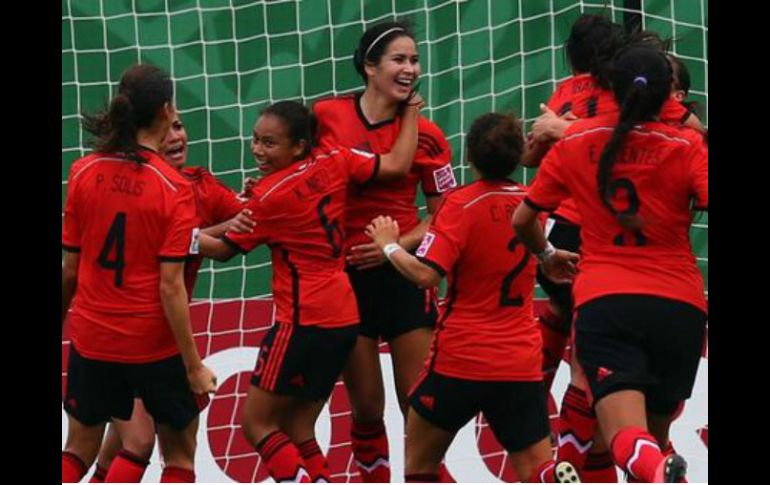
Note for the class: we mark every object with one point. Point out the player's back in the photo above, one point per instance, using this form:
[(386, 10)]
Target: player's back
[(487, 329), (300, 214), (125, 218), (582, 96), (656, 176)]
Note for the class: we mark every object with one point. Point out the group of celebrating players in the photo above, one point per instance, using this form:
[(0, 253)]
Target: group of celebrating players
[(623, 163)]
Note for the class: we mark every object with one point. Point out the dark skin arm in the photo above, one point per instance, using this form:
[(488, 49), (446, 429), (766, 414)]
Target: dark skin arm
[(173, 296)]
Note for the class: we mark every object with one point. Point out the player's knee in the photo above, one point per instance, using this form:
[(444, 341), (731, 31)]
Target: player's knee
[(255, 426), (140, 445)]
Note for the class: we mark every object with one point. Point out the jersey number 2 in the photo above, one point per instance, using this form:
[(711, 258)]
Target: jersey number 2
[(505, 291), (115, 237)]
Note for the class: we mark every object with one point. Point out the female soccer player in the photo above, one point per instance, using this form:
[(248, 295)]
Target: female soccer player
[(487, 350), (218, 208), (298, 206), (129, 224), (641, 312), (593, 41), (392, 308)]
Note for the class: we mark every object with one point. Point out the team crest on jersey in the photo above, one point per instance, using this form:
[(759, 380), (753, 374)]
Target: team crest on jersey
[(444, 178), (195, 245), (426, 243)]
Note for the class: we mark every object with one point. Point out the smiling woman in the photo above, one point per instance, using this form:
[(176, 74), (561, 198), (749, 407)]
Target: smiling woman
[(392, 308), (298, 204)]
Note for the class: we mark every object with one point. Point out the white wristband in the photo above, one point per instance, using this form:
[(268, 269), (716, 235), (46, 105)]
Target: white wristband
[(391, 248), (546, 253)]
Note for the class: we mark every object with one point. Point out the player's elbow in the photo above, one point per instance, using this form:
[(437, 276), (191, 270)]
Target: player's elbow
[(428, 278), (519, 221), (171, 288), (393, 166)]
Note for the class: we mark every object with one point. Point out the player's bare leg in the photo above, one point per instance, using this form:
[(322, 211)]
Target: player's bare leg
[(408, 352), (125, 454), (363, 381), (137, 435), (178, 452), (536, 463), (80, 449), (263, 414), (426, 445), (299, 425), (179, 445)]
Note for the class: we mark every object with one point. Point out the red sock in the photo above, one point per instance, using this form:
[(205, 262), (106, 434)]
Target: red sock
[(315, 461), (637, 453), (544, 473), (72, 467), (126, 468), (599, 468), (421, 478), (282, 459), (554, 341), (370, 451), (175, 474), (99, 474), (577, 424), (443, 474)]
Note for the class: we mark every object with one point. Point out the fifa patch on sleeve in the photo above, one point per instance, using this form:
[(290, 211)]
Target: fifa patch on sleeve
[(195, 245), (426, 243), (444, 178)]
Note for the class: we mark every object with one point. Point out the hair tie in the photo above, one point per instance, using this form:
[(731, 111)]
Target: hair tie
[(379, 37), (640, 81)]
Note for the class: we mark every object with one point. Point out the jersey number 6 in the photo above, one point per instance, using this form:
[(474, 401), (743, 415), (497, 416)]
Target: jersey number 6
[(331, 228)]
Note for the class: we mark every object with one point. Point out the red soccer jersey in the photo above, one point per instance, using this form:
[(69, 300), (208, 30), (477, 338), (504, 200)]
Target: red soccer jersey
[(586, 99), (341, 123), (300, 214), (124, 218), (659, 174), (215, 203), (487, 330)]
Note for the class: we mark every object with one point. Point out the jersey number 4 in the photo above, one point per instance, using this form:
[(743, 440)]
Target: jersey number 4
[(505, 291), (115, 237)]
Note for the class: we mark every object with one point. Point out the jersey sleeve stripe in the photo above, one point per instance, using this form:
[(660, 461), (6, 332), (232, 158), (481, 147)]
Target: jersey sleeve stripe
[(172, 259), (70, 249), (233, 244), (433, 265), (429, 144), (537, 207)]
